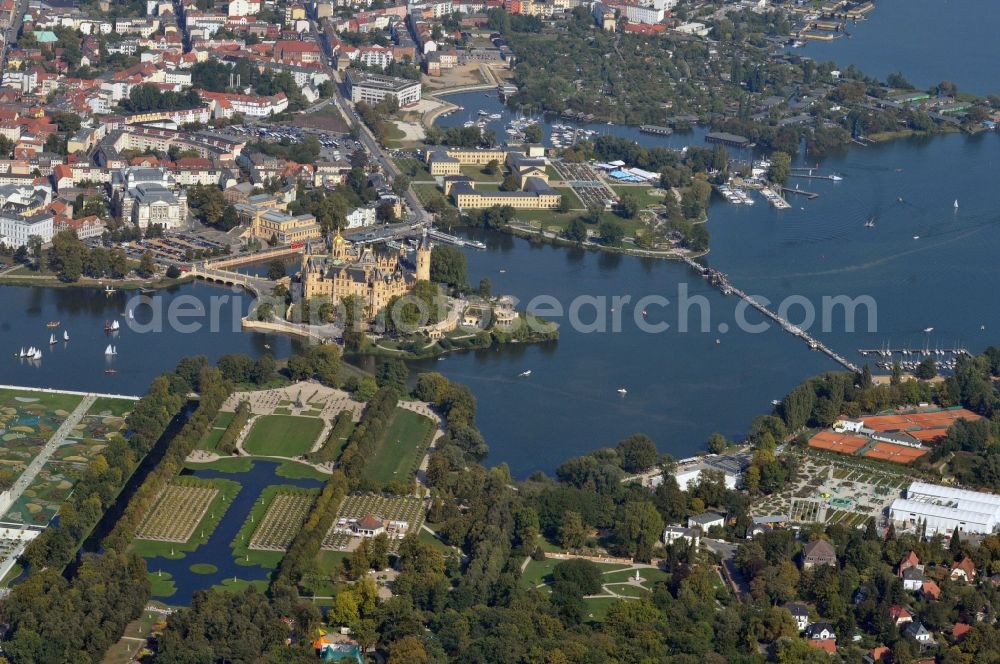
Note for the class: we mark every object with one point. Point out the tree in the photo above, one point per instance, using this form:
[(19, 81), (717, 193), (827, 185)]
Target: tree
[(576, 231), (509, 183), (345, 609), (448, 266), (564, 204), (173, 272), (637, 452), (781, 168), (612, 233), (275, 269), (147, 266), (533, 133), (408, 650), (717, 443), (572, 533), (576, 577), (492, 168), (628, 206), (927, 369), (638, 527)]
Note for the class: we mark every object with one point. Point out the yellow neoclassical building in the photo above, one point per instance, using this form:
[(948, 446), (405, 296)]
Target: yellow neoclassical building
[(362, 270)]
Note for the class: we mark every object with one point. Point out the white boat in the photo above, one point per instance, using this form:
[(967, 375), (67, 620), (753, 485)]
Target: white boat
[(525, 374), (131, 316), (622, 390), (110, 350), (956, 203), (37, 355), (52, 339), (928, 330), (65, 335), (916, 237), (115, 326), (836, 178), (21, 354), (870, 223)]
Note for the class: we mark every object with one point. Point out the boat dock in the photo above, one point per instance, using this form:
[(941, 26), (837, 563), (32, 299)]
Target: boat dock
[(656, 130), (888, 351), (435, 234), (721, 281), (833, 177), (774, 198), (801, 192)]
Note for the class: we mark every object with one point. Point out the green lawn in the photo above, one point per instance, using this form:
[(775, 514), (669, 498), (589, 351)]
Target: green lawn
[(51, 401), (161, 583), (643, 193), (239, 585), (115, 407), (398, 450), (299, 471), (539, 571), (478, 174), (204, 568), (211, 438), (415, 168), (425, 192), (283, 435), (574, 201), (650, 576), (597, 607), (234, 465)]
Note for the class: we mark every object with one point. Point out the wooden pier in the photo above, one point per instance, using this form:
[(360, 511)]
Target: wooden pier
[(721, 281), (801, 192)]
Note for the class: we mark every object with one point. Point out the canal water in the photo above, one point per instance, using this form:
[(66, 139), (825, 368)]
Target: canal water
[(216, 551), (928, 41)]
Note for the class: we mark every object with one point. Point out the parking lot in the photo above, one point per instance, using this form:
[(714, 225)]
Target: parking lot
[(333, 146), (174, 248)]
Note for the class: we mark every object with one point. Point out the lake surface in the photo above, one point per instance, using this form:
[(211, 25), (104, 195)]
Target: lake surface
[(928, 41), (80, 364)]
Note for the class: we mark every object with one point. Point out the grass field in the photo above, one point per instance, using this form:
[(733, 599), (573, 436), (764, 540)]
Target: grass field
[(233, 465), (398, 450), (111, 406), (299, 471), (539, 571), (212, 436), (643, 193), (161, 583), (282, 435)]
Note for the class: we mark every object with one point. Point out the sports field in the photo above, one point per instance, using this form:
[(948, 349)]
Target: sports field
[(282, 435)]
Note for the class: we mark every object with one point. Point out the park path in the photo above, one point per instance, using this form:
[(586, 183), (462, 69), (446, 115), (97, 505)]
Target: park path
[(57, 439)]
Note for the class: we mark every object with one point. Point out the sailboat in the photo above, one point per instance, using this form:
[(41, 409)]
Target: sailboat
[(52, 339), (65, 335), (622, 390), (110, 350), (870, 223), (130, 315), (525, 374), (21, 354), (956, 203)]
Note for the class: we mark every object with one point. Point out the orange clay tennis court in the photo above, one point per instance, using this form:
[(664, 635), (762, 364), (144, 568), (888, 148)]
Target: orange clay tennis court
[(939, 419), (837, 442), (894, 453)]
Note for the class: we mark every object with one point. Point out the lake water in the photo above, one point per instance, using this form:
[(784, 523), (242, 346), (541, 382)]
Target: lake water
[(927, 40), (80, 364)]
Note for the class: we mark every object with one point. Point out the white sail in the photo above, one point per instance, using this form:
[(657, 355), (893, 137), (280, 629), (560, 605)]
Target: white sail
[(115, 325), (130, 315), (956, 202), (37, 355), (114, 351), (65, 335), (52, 339), (22, 352), (109, 350)]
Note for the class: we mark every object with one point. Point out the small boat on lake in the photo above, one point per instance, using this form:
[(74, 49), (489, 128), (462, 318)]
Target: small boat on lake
[(525, 374), (52, 323)]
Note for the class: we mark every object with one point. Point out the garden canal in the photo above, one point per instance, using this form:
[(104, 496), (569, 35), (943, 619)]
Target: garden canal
[(176, 577)]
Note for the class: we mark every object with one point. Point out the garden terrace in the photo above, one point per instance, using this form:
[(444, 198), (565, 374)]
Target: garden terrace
[(179, 510), (285, 514)]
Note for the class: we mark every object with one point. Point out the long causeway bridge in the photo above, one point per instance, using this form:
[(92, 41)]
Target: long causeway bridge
[(721, 281)]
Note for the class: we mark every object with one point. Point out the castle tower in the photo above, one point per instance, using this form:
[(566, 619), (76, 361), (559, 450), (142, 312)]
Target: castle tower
[(424, 259)]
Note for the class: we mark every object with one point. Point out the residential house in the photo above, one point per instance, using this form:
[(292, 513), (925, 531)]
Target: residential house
[(913, 578), (800, 613), (673, 533), (818, 552), (900, 615), (706, 521), (963, 570), (920, 633)]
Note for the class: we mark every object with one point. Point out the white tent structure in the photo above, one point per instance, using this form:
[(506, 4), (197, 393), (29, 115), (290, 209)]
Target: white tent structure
[(940, 509)]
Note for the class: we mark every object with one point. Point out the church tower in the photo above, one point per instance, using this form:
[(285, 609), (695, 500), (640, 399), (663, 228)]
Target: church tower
[(424, 259)]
